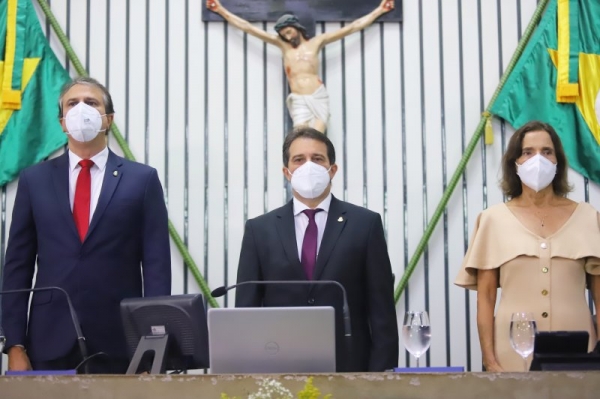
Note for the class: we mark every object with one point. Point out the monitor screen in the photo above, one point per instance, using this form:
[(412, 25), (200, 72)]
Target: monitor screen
[(563, 351), (182, 317), (555, 342)]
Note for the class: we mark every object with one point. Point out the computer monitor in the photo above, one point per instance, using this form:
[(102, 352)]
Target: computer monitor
[(561, 342), (165, 333), (563, 351)]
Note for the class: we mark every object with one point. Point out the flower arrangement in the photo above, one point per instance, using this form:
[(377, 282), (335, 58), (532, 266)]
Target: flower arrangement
[(271, 389)]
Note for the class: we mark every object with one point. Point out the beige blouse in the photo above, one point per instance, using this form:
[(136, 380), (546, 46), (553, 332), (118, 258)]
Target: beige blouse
[(544, 276)]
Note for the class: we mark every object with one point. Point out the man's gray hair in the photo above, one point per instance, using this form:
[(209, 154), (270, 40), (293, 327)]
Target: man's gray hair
[(86, 80)]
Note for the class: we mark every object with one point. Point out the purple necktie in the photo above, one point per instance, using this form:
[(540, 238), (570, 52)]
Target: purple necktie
[(309, 245)]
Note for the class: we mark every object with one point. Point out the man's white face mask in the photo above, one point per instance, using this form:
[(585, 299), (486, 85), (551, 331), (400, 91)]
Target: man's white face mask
[(310, 180), (83, 122), (537, 172)]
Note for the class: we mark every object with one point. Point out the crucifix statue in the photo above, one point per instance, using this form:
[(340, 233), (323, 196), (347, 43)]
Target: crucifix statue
[(308, 102)]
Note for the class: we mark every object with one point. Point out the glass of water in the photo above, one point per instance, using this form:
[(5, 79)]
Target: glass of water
[(522, 334), (416, 333)]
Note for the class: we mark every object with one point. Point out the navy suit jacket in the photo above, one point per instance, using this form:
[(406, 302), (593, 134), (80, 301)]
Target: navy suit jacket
[(125, 254), (354, 253)]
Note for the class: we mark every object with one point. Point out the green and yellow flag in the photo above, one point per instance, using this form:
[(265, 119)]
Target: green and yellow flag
[(30, 82), (557, 80)]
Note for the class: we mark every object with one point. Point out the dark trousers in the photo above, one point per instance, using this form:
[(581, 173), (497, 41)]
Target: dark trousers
[(99, 364)]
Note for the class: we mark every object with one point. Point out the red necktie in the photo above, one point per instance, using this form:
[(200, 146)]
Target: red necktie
[(81, 204), (309, 244)]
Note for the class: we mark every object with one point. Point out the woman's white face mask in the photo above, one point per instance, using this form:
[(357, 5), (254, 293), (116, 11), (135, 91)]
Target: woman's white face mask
[(537, 172)]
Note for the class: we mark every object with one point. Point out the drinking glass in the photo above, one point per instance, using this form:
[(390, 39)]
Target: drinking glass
[(522, 334), (416, 333)]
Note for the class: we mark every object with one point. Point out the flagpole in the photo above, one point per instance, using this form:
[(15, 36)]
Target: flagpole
[(187, 258), (412, 264)]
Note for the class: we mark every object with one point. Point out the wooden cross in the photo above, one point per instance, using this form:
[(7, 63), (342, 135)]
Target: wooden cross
[(309, 12)]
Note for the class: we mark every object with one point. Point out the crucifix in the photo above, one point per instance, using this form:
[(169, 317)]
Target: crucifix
[(308, 102)]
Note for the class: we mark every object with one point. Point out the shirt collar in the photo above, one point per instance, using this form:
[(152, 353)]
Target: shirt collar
[(299, 206), (100, 159)]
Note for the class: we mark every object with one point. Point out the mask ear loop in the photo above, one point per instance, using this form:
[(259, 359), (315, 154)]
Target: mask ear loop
[(104, 130)]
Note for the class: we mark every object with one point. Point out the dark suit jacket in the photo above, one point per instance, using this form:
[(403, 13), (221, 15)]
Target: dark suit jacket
[(354, 253), (129, 229)]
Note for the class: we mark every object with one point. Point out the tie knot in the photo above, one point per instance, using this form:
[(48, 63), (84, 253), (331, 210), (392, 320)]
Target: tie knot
[(86, 163), (311, 213)]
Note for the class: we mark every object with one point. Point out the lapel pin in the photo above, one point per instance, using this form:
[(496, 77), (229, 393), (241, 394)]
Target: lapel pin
[(340, 219), (115, 173)]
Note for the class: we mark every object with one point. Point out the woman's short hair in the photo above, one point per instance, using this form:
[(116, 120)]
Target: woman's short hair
[(511, 183)]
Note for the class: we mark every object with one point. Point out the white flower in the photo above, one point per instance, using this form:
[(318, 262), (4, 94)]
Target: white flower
[(271, 389)]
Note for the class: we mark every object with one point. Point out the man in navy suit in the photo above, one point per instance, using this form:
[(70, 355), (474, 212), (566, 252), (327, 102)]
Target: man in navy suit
[(318, 237), (97, 226)]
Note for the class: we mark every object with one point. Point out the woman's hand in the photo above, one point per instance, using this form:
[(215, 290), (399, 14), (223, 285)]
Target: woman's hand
[(492, 366)]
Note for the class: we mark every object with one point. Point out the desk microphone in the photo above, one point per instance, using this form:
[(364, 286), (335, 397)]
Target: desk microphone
[(220, 291), (80, 337)]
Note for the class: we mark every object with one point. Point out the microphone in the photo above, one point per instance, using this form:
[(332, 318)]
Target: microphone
[(80, 337), (220, 291)]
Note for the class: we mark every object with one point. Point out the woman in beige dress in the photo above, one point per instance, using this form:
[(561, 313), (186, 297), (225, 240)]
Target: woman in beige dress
[(540, 248)]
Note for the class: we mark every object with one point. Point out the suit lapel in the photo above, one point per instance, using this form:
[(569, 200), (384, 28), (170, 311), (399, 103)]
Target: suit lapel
[(60, 177), (112, 177), (286, 228), (336, 221)]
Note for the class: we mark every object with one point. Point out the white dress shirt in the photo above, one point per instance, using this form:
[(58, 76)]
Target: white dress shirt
[(97, 174), (301, 222)]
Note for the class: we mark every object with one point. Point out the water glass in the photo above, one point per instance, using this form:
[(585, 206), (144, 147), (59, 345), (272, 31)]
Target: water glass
[(416, 333), (522, 334)]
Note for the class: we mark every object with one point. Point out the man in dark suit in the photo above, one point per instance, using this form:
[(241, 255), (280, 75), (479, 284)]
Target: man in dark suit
[(349, 240), (97, 226)]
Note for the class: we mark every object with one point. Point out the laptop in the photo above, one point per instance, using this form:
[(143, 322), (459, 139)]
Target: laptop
[(272, 340)]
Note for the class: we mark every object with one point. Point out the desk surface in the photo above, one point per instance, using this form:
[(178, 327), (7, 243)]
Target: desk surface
[(342, 386)]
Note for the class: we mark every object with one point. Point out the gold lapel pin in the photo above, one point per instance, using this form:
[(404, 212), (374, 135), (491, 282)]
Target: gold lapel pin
[(340, 219), (115, 173)]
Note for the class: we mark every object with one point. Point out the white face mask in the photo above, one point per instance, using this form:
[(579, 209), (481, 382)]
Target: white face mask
[(83, 122), (310, 180), (537, 172)]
